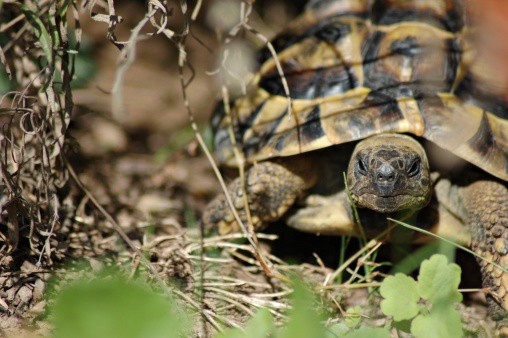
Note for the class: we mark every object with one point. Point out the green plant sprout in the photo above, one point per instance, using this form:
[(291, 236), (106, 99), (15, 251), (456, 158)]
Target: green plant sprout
[(113, 307), (429, 304)]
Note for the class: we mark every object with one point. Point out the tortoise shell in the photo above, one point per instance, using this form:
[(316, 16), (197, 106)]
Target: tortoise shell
[(360, 68)]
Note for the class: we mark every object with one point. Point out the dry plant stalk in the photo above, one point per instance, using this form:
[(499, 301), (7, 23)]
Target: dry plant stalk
[(245, 9), (158, 15), (39, 60)]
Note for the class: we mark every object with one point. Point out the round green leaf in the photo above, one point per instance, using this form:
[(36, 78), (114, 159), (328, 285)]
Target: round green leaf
[(106, 308), (401, 297), (438, 281), (442, 321)]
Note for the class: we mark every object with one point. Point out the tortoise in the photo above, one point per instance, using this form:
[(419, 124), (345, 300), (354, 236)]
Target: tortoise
[(393, 93)]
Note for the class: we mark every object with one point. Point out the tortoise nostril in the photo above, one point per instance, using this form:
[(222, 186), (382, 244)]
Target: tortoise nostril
[(387, 178), (386, 174)]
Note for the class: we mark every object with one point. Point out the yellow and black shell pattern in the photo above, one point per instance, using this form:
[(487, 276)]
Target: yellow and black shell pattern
[(360, 68)]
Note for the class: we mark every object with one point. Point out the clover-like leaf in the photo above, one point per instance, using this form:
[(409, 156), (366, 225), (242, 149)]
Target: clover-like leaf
[(401, 297), (442, 321), (106, 308), (353, 316), (439, 280)]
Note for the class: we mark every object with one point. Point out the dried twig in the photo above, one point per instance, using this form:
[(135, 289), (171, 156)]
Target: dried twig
[(38, 116)]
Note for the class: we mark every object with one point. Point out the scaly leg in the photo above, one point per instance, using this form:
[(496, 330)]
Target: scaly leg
[(486, 203), (271, 188)]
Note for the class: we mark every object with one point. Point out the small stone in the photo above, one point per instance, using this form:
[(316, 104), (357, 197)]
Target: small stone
[(28, 267), (229, 218), (38, 290), (238, 202), (38, 309), (25, 294), (95, 264)]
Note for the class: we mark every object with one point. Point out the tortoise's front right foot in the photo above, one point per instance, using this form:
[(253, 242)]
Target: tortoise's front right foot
[(271, 190), (487, 205)]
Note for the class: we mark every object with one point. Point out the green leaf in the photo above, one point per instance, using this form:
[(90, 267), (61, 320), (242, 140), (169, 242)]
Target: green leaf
[(40, 31), (401, 297), (304, 319), (442, 321), (370, 332), (438, 281), (260, 325), (337, 330), (115, 308), (354, 316)]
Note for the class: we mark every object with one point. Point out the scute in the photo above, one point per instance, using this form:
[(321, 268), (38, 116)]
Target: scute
[(410, 59), (319, 66), (317, 11), (443, 14), (360, 68)]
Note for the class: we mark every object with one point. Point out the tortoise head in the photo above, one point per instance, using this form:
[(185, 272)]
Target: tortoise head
[(388, 173)]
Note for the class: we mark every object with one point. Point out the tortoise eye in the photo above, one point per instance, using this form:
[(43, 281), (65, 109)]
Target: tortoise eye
[(414, 168), (362, 168)]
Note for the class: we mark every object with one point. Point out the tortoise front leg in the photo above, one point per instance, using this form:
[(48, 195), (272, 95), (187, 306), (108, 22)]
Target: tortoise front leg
[(325, 215), (486, 203), (271, 189)]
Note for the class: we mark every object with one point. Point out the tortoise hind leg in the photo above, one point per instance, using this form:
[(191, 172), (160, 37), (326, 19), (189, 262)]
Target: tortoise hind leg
[(486, 203), (271, 189)]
